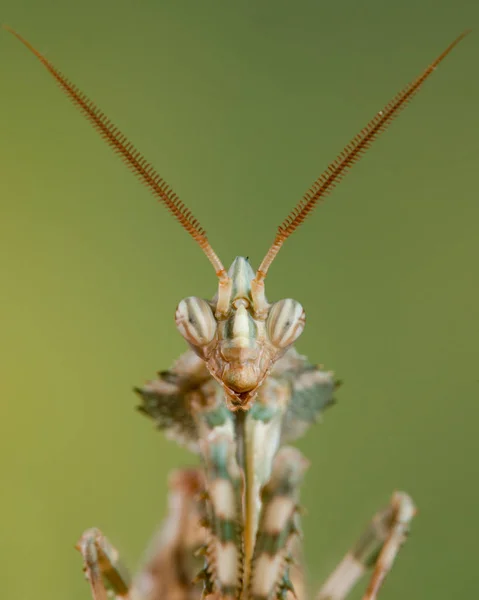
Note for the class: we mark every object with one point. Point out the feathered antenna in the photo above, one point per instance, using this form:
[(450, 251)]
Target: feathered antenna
[(133, 159), (356, 148)]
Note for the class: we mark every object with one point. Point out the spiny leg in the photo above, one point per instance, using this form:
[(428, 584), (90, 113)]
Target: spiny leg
[(404, 511), (261, 438), (375, 549), (278, 528), (223, 572), (170, 565), (102, 566), (296, 571)]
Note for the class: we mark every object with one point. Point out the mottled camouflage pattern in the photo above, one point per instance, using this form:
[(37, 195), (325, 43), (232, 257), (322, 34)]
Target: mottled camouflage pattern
[(296, 393), (187, 403), (278, 526)]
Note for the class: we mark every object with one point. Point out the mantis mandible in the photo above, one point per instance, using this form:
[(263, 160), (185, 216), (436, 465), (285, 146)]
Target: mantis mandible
[(237, 397)]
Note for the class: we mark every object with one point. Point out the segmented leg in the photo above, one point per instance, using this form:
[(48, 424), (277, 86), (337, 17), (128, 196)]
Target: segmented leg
[(376, 549), (296, 571), (102, 566), (404, 511), (223, 572), (171, 566), (278, 528), (261, 438)]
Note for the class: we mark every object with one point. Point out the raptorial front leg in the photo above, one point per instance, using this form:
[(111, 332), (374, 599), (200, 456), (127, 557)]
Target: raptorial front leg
[(223, 571), (376, 549), (170, 565), (102, 566), (273, 572)]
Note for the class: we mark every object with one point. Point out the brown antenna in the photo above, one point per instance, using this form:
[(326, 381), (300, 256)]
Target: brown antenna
[(132, 158), (348, 157)]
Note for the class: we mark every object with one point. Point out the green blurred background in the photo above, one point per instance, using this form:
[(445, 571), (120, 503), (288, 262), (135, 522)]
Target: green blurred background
[(240, 105)]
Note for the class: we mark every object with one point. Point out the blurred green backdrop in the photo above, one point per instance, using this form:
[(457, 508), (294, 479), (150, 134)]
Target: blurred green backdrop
[(240, 105)]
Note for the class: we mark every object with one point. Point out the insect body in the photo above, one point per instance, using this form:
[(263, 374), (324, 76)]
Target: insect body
[(236, 398)]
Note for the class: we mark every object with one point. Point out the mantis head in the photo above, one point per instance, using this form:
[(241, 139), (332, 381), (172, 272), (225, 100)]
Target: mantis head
[(239, 334)]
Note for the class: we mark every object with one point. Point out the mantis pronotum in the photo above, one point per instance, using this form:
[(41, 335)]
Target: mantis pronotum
[(237, 397)]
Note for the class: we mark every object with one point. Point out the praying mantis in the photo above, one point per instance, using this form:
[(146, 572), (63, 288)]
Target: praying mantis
[(237, 398)]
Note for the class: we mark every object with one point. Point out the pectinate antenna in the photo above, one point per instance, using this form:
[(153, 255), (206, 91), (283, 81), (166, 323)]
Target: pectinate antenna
[(133, 159), (351, 154)]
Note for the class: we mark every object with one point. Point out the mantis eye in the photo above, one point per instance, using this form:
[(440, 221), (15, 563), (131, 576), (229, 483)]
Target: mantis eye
[(195, 321), (285, 322)]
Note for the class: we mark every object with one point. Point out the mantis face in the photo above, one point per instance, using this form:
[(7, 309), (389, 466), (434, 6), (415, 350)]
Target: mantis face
[(238, 334)]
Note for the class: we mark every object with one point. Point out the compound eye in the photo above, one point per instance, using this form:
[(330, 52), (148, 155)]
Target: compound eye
[(285, 322), (195, 321)]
